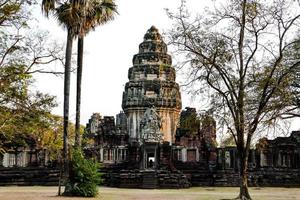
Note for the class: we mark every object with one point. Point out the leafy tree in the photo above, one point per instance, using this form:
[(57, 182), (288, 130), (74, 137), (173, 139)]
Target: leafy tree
[(11, 12), (92, 13), (245, 55), (50, 137), (84, 176), (22, 112), (189, 121), (22, 54)]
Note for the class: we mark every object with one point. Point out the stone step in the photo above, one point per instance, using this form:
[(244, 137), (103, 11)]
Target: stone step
[(149, 180)]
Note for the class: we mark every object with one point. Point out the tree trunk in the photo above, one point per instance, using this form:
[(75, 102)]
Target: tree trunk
[(78, 91), (244, 193), (66, 100)]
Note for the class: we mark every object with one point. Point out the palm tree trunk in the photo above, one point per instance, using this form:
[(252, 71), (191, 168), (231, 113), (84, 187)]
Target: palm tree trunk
[(78, 91), (66, 100)]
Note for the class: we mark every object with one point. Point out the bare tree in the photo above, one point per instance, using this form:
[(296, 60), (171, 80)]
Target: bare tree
[(246, 54)]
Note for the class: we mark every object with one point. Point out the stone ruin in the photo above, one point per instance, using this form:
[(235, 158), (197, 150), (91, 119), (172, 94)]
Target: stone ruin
[(154, 144)]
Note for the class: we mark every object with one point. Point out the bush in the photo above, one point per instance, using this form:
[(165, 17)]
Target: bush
[(84, 176)]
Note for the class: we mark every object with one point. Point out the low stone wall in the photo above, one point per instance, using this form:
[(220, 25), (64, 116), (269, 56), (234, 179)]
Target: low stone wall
[(28, 176), (282, 177), (149, 179), (275, 177)]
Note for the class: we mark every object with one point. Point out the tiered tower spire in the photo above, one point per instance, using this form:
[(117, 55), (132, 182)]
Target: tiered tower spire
[(152, 84)]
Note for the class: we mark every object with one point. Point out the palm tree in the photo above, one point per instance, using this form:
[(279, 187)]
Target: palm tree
[(66, 15), (94, 13)]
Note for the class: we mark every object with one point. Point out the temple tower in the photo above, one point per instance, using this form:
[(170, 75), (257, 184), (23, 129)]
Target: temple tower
[(152, 85)]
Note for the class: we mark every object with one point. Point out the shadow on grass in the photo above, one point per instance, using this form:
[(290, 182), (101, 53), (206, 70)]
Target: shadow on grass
[(55, 196), (69, 197), (231, 199), (257, 188)]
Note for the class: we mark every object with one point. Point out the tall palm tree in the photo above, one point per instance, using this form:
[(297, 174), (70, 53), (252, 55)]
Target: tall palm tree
[(94, 13), (67, 15)]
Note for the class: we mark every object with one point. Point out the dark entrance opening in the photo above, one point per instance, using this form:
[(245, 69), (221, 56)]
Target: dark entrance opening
[(150, 160)]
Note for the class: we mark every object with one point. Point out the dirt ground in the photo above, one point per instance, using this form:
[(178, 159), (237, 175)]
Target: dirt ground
[(195, 193)]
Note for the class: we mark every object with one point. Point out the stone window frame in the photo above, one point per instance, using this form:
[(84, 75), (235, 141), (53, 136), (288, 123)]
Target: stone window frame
[(194, 150)]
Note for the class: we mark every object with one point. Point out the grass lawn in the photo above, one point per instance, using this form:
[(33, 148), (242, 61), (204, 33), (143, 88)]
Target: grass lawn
[(195, 193)]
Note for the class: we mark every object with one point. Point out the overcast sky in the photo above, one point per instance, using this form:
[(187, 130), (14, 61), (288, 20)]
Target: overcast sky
[(108, 56)]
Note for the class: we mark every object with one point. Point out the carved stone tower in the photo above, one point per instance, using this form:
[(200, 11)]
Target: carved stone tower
[(152, 84)]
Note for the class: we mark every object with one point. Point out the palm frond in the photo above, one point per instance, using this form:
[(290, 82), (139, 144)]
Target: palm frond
[(69, 16), (48, 6), (81, 16), (97, 12)]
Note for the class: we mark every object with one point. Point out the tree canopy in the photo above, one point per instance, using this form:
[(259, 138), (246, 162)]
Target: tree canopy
[(25, 113)]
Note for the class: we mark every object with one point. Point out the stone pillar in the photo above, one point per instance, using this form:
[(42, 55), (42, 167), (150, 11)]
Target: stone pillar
[(5, 160), (279, 159), (263, 158), (184, 155), (197, 154), (125, 154)]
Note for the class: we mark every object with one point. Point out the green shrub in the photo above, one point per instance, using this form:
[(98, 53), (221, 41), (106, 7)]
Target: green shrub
[(84, 176)]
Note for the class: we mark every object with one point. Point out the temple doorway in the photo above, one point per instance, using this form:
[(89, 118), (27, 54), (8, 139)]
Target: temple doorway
[(150, 160), (150, 153)]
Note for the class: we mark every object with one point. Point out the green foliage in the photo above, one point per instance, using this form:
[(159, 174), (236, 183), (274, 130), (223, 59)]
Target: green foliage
[(11, 12), (228, 141), (25, 115), (51, 135), (86, 141), (207, 121), (163, 66), (84, 176), (189, 121)]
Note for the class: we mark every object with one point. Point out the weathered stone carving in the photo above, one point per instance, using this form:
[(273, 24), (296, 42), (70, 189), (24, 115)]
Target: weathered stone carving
[(150, 126)]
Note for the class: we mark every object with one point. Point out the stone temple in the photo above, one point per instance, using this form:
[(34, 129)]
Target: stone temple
[(155, 144), (152, 85), (151, 100)]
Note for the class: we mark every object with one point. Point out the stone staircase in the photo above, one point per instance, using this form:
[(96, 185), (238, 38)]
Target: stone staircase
[(227, 178), (149, 180), (174, 179)]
